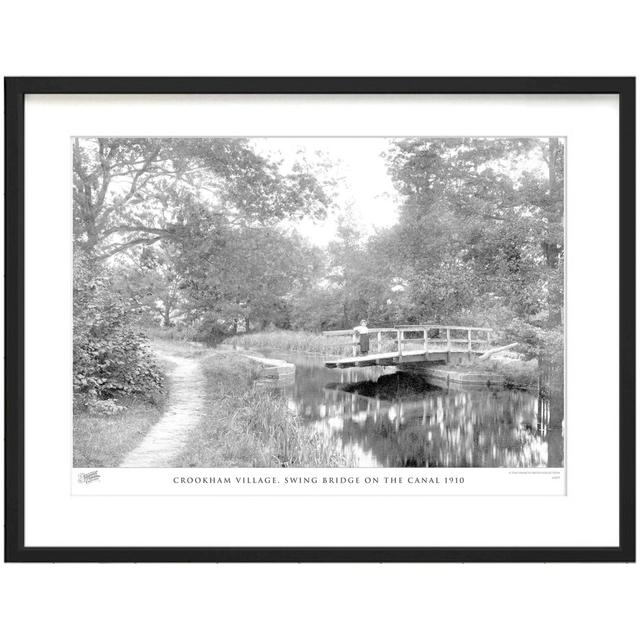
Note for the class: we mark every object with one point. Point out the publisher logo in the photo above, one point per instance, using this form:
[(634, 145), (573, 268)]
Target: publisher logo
[(86, 478)]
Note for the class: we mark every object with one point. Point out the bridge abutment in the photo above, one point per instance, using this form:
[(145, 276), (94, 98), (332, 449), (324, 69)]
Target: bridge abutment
[(445, 376)]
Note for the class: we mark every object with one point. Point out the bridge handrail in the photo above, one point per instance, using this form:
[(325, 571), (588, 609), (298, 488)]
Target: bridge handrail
[(408, 327), (401, 340), (348, 332)]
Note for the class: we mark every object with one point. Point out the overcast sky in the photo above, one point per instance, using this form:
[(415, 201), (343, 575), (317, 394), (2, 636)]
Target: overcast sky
[(364, 184)]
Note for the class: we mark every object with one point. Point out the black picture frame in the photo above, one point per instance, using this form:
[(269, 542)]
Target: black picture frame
[(15, 91)]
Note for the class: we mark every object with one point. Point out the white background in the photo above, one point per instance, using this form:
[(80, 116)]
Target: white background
[(189, 38)]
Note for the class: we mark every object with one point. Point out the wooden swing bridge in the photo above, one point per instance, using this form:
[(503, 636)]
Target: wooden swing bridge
[(427, 343)]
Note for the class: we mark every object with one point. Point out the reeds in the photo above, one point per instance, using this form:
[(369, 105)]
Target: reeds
[(281, 437), (304, 342), (249, 426)]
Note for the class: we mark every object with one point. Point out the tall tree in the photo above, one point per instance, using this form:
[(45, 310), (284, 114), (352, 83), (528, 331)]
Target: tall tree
[(480, 230), (138, 191)]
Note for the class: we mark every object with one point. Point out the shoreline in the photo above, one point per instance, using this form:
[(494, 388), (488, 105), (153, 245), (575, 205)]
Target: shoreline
[(519, 374)]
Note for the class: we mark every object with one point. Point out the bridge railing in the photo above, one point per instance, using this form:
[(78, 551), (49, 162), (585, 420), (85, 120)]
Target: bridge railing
[(442, 338), (427, 337), (381, 339)]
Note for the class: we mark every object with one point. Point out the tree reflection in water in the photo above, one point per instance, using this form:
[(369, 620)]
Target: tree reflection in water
[(398, 420)]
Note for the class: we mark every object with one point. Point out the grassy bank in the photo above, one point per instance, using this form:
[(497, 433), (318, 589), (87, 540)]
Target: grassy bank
[(519, 374), (242, 426), (301, 341), (245, 426), (104, 440)]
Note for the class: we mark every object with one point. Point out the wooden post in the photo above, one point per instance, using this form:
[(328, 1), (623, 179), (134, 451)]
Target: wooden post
[(354, 343), (426, 339), (448, 339), (469, 340), (379, 341), (399, 335)]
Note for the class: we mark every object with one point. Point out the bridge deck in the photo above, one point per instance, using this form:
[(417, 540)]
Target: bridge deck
[(391, 358)]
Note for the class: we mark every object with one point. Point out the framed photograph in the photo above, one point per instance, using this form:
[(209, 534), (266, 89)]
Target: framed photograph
[(320, 319)]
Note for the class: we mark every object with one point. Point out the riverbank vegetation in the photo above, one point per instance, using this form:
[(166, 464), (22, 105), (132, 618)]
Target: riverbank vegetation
[(103, 440), (248, 426), (243, 425), (283, 340), (300, 341), (518, 374)]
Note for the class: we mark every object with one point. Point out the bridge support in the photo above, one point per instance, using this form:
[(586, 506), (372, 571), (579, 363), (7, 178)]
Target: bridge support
[(449, 377)]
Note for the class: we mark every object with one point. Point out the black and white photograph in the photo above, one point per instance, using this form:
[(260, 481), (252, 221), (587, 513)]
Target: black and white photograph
[(318, 302)]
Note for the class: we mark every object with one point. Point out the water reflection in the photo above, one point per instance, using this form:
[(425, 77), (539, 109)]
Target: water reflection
[(398, 420)]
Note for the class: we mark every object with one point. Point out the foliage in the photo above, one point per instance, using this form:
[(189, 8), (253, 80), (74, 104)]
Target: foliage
[(479, 241), (200, 235), (149, 276), (176, 230), (131, 192), (179, 332), (249, 274), (103, 407), (480, 234), (110, 357)]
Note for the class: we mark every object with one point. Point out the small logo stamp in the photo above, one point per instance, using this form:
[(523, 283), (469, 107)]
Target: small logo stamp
[(86, 478)]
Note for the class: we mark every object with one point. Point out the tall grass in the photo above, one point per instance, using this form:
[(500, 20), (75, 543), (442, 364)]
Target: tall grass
[(304, 342), (182, 333), (281, 437), (248, 426), (105, 440), (293, 341)]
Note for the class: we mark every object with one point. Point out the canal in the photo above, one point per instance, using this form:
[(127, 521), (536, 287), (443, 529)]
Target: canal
[(382, 418)]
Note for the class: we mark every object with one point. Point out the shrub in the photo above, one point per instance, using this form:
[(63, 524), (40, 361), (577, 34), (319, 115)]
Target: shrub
[(210, 331), (110, 358), (103, 407), (178, 333)]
